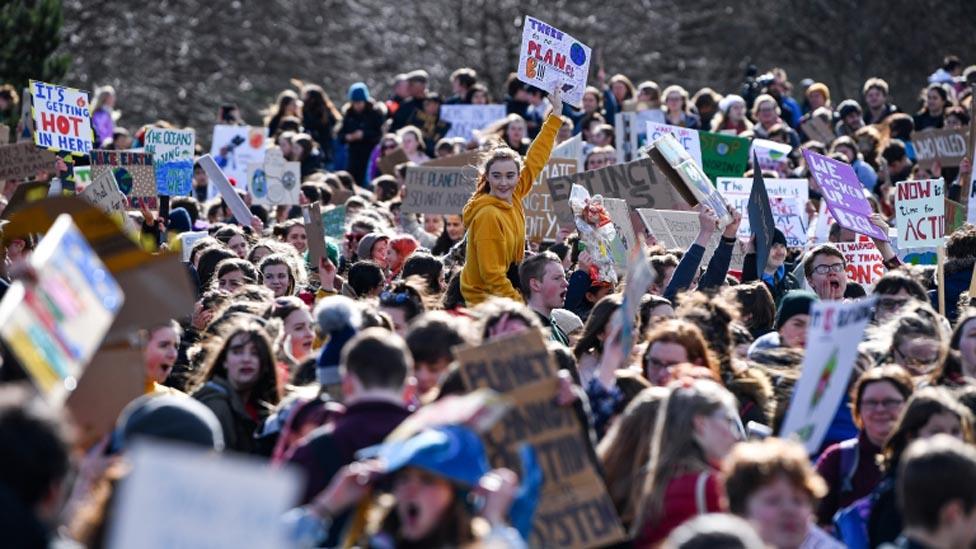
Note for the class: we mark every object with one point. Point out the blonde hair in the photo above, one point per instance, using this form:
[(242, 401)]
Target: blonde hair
[(674, 88)]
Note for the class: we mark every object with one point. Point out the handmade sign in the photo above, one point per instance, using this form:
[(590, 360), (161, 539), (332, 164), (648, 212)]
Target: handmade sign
[(843, 193), (550, 58), (723, 155), (571, 149), (187, 240), (172, 152), (687, 177), (865, 264), (390, 161), (630, 132), (4, 134), (236, 204), (835, 330), (334, 221), (619, 214), (772, 156), (574, 507), (133, 172), (636, 182), (104, 193), (787, 198), (275, 182), (761, 222), (176, 494), (438, 190), (62, 119), (947, 146), (24, 160), (818, 129), (233, 149), (688, 138), (466, 119), (55, 325), (83, 177), (541, 222), (920, 211), (679, 230)]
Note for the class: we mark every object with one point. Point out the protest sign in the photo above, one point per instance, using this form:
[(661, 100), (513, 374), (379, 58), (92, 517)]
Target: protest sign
[(23, 160), (315, 231), (112, 379), (233, 149), (571, 149), (176, 494), (920, 211), (630, 132), (470, 159), (388, 162), (772, 156), (4, 134), (761, 221), (836, 328), (687, 177), (466, 119), (636, 182), (236, 204), (172, 152), (83, 177), (62, 119), (818, 129), (275, 182), (437, 190), (723, 155), (787, 198), (522, 369), (104, 193), (334, 221), (676, 229), (55, 325), (619, 214), (865, 264), (843, 193), (25, 194), (541, 222), (686, 137), (133, 172), (187, 240), (550, 58), (947, 146)]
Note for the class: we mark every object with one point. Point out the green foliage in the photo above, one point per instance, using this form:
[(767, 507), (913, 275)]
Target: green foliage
[(31, 31)]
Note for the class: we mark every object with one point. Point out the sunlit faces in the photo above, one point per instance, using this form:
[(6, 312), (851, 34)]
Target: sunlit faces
[(919, 354), (552, 287), (816, 100), (945, 423), (503, 177), (777, 256), (379, 252), (434, 224), (780, 512), (428, 374), (793, 332), (243, 362), (161, 353), (590, 102), (515, 132), (880, 406), (422, 501), (766, 113), (297, 238), (232, 281), (874, 98), (409, 143), (298, 328), (967, 348), (674, 102), (737, 112), (259, 253), (455, 226), (399, 318), (828, 278), (717, 433), (661, 357), (277, 278), (934, 102)]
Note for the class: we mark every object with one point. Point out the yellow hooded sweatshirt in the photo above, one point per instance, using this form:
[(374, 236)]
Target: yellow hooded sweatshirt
[(496, 229)]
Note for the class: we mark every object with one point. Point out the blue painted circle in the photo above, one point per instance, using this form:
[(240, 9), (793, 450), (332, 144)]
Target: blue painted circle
[(577, 54)]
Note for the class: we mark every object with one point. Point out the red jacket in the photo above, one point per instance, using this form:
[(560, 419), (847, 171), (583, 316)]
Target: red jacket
[(685, 497)]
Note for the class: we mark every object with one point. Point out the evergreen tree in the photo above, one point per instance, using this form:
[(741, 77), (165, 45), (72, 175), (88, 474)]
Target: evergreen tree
[(31, 31)]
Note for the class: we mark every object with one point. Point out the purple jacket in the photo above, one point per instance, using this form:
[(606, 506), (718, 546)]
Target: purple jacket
[(103, 125)]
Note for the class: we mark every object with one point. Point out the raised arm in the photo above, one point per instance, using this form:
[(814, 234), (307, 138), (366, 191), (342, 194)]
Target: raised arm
[(541, 148)]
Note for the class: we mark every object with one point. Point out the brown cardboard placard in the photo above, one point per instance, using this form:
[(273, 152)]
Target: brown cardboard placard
[(638, 182), (948, 146), (678, 229), (818, 129), (340, 195), (541, 222), (316, 233), (24, 194), (389, 162), (467, 159), (113, 378), (23, 160), (4, 134), (438, 190)]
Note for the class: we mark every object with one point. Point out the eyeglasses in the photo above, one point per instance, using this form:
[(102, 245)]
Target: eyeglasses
[(824, 269), (886, 404), (733, 421)]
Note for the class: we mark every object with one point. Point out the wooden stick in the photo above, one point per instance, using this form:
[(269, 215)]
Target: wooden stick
[(940, 251), (966, 178)]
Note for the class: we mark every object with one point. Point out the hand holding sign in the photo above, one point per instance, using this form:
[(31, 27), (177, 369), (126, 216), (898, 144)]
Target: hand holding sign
[(556, 100)]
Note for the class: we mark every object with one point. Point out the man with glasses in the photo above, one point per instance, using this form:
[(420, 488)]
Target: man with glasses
[(826, 272)]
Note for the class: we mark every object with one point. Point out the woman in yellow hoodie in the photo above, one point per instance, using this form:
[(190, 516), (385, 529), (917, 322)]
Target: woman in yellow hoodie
[(495, 218)]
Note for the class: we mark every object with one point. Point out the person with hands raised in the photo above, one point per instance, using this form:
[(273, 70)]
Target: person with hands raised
[(718, 265)]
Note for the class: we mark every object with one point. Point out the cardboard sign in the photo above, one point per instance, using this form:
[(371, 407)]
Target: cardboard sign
[(723, 155), (54, 327), (920, 211), (23, 160), (636, 182), (438, 190), (761, 221), (275, 182), (466, 119), (104, 193), (83, 177), (630, 132), (818, 129), (772, 155), (114, 377), (133, 171), (620, 216), (836, 328), (187, 240), (180, 496), (687, 177), (572, 148), (574, 507), (947, 146), (236, 204), (541, 222), (469, 159), (172, 152), (865, 264), (233, 149), (787, 198), (389, 162), (315, 231), (334, 221), (4, 134), (843, 193), (675, 229), (688, 138), (550, 58), (62, 119)]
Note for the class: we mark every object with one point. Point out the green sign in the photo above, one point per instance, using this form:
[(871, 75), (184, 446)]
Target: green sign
[(723, 155)]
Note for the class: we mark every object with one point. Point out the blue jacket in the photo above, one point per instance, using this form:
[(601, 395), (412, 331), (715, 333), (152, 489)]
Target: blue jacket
[(714, 275), (958, 274)]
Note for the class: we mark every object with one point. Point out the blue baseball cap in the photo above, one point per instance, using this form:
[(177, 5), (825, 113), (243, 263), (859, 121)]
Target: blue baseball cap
[(450, 451)]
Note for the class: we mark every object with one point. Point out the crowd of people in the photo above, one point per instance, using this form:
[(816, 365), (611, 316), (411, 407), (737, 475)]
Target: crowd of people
[(306, 364)]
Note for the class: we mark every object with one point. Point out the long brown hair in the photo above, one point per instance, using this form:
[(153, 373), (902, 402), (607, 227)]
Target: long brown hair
[(501, 152), (922, 405), (266, 392), (686, 334), (595, 324)]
